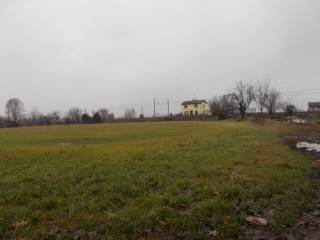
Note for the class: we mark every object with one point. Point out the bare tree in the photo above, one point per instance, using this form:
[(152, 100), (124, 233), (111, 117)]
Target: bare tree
[(104, 114), (261, 90), (35, 116), (273, 102), (130, 113), (54, 117), (222, 106), (243, 95), (14, 110), (74, 115)]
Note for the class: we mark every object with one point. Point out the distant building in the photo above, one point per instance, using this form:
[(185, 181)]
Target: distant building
[(314, 106), (195, 107)]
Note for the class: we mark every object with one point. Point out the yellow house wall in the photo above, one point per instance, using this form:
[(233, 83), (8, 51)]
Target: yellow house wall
[(203, 109)]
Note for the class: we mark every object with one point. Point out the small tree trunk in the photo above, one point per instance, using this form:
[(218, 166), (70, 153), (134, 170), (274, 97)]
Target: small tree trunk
[(243, 114), (271, 114)]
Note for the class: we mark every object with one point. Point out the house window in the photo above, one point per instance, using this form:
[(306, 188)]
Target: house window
[(196, 112), (185, 106), (191, 112), (196, 105)]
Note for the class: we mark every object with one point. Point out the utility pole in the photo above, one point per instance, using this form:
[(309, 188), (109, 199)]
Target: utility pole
[(154, 108), (168, 102)]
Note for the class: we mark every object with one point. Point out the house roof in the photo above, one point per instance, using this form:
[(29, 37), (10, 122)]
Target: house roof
[(314, 104), (194, 102)]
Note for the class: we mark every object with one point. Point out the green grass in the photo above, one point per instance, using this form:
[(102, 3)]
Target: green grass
[(119, 181)]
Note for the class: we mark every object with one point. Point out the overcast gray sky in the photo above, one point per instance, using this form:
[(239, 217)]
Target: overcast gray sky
[(117, 53)]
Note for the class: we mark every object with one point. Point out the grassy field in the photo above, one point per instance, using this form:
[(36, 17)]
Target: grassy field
[(147, 180)]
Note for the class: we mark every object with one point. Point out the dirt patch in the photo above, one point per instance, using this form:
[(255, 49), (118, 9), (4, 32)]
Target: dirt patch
[(308, 227), (307, 141)]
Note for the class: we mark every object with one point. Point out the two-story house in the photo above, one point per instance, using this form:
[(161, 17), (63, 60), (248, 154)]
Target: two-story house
[(195, 107)]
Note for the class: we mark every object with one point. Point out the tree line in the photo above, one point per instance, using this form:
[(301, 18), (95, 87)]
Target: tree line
[(234, 103), (15, 116), (262, 94)]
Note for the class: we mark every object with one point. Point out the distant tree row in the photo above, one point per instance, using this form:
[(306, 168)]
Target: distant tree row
[(15, 116), (237, 102), (76, 115)]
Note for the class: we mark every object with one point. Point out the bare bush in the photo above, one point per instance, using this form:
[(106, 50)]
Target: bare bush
[(222, 106), (3, 122), (289, 108), (111, 117)]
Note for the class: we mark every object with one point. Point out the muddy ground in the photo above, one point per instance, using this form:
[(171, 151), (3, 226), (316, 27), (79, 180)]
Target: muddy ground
[(308, 225)]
